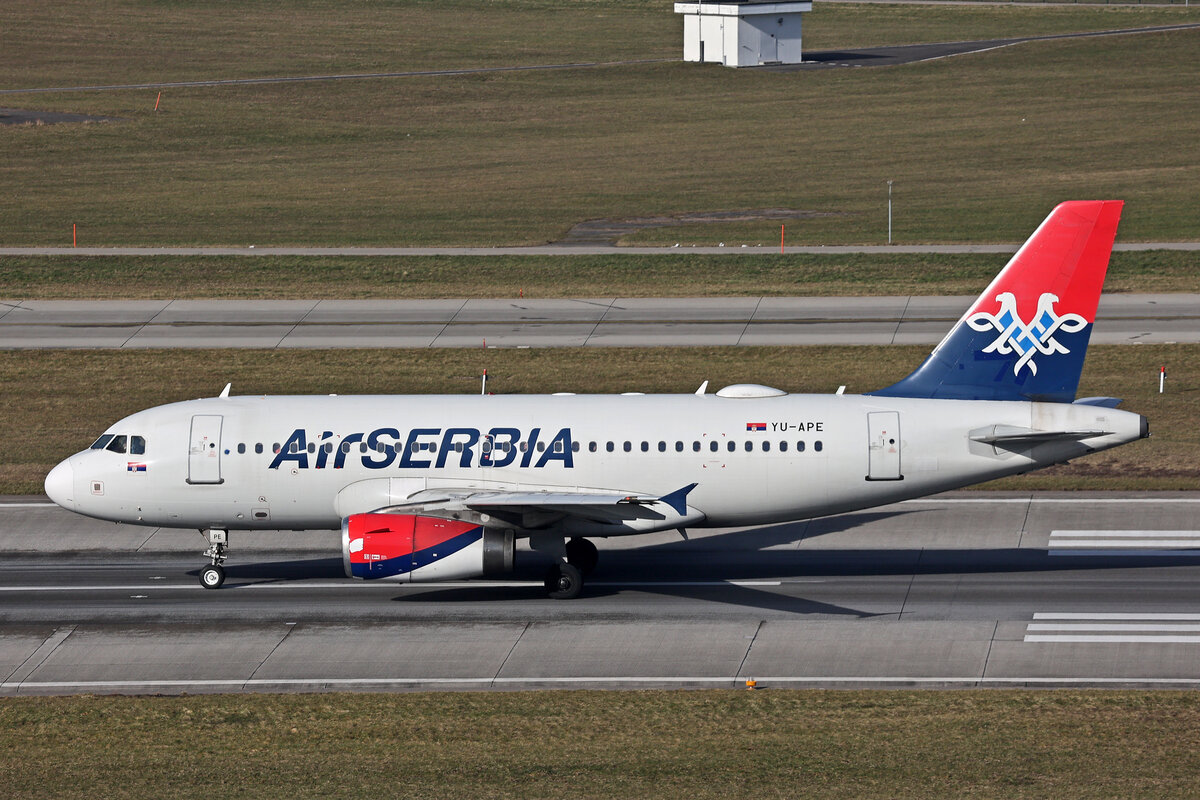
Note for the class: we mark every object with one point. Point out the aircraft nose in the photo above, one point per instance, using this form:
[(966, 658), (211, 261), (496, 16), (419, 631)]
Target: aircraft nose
[(60, 485)]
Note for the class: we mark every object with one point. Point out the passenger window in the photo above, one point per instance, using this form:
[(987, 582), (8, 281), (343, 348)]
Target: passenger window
[(541, 447), (679, 447), (799, 447), (275, 447), (783, 447), (714, 446), (362, 447), (312, 447), (749, 446), (345, 448), (100, 443), (645, 447), (137, 445), (628, 446), (817, 445), (117, 445), (258, 447), (662, 447), (574, 447), (609, 446), (766, 447), (732, 446), (558, 446), (328, 447), (591, 447), (241, 448), (695, 447)]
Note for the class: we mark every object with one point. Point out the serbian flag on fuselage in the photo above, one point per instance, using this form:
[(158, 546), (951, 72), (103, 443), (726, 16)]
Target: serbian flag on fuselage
[(756, 426)]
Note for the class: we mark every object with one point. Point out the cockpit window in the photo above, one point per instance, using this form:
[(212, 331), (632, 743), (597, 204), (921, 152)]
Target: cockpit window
[(117, 445), (101, 442), (137, 445)]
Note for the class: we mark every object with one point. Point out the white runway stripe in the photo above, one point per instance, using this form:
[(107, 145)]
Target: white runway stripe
[(1117, 616), (1087, 639), (1124, 542), (1114, 628)]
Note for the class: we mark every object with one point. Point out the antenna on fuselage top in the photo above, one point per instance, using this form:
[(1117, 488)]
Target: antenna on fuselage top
[(703, 388), (224, 395)]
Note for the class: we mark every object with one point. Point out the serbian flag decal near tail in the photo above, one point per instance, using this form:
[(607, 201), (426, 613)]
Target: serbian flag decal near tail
[(756, 426), (1025, 337)]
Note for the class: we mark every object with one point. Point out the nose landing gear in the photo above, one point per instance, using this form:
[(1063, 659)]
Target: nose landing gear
[(212, 576)]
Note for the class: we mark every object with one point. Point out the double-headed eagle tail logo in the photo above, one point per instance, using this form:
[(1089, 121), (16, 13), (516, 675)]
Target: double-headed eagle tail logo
[(1026, 339)]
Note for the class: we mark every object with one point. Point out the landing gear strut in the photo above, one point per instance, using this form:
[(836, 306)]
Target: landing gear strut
[(212, 576), (582, 554), (577, 559)]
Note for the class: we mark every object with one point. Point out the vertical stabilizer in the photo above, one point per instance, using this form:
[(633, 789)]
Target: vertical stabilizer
[(1025, 337)]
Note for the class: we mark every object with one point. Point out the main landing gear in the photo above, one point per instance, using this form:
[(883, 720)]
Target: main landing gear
[(212, 576), (564, 579)]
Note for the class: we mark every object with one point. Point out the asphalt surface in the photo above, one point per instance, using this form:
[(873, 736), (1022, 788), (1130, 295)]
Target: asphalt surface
[(968, 589), (599, 322)]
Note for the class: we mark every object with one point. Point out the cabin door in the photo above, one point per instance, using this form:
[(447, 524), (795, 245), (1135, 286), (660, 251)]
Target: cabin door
[(204, 449), (883, 443)]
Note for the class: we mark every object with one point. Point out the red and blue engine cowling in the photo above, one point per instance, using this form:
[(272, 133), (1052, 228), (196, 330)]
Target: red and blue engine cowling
[(410, 548)]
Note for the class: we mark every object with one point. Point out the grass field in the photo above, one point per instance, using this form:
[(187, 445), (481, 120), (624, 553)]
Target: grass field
[(680, 275), (980, 147), (51, 408), (711, 744)]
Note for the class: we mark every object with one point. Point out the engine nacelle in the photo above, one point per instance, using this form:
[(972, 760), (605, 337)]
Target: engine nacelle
[(414, 549)]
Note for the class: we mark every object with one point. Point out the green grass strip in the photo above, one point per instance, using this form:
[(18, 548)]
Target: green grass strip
[(660, 744)]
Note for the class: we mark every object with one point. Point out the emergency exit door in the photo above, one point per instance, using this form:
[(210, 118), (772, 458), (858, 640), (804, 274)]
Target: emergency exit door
[(204, 449), (883, 443)]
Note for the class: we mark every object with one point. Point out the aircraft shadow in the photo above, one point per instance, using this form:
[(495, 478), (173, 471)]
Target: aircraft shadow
[(707, 568)]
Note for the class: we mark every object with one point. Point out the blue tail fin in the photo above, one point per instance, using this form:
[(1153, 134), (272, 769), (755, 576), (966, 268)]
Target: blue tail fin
[(1026, 335)]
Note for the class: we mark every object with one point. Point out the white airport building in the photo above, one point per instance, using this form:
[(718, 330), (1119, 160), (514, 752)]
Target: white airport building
[(742, 34)]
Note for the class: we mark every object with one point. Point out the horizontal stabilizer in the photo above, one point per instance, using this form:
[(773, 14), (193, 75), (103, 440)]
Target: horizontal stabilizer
[(1016, 435)]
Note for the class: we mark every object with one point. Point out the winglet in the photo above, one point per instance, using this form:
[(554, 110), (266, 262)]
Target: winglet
[(678, 499)]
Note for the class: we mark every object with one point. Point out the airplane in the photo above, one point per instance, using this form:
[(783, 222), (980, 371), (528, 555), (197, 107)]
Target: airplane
[(433, 488)]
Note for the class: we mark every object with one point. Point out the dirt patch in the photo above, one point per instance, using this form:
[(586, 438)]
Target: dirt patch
[(609, 231), (18, 116)]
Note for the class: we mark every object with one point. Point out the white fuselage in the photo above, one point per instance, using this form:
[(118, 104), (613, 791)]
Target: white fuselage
[(213, 463)]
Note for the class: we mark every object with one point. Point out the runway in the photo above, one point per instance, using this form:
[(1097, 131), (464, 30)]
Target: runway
[(965, 589), (596, 322)]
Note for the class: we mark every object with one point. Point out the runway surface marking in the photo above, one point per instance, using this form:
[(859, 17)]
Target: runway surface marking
[(1128, 542), (1114, 628)]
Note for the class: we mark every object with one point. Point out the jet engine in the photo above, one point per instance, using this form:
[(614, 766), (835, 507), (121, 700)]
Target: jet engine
[(410, 548)]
